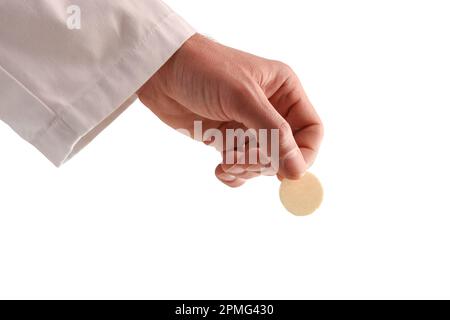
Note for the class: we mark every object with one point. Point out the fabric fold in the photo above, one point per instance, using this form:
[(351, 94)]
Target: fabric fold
[(59, 100)]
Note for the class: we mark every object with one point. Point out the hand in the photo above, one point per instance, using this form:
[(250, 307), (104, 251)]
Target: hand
[(226, 88)]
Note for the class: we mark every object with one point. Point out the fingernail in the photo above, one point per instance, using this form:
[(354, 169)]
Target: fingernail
[(254, 168), (227, 177), (268, 171), (236, 170)]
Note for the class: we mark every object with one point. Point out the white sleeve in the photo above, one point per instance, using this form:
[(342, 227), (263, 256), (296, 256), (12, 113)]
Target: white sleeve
[(60, 85)]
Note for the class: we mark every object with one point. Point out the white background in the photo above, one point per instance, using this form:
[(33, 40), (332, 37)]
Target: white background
[(139, 213)]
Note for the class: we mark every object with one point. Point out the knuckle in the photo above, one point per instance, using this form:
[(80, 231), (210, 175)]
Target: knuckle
[(239, 86), (285, 133), (285, 129), (284, 68), (320, 130)]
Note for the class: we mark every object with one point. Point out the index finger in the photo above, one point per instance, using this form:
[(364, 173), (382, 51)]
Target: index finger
[(293, 104)]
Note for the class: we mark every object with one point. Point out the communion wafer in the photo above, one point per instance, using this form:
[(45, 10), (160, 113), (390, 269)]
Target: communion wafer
[(301, 197)]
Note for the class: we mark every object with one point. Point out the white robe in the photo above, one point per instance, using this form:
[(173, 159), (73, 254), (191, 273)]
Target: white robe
[(60, 85)]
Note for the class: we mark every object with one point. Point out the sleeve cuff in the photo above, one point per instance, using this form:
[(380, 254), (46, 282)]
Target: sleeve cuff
[(61, 136)]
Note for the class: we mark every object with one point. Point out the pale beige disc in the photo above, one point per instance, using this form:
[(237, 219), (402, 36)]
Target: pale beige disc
[(301, 197)]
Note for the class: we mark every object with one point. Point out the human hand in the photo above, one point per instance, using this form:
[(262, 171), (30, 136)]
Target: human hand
[(228, 89)]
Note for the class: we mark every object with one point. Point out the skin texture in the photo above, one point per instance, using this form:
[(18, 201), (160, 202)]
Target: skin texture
[(228, 89)]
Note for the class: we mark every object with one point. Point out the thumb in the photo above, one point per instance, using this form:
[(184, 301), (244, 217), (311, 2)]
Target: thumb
[(259, 113)]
